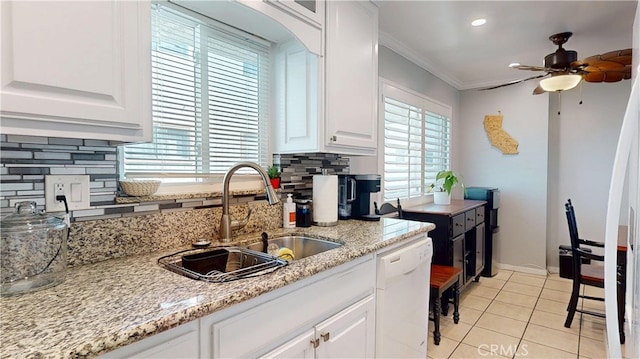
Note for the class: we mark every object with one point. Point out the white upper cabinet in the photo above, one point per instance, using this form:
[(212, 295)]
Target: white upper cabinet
[(332, 110), (296, 109), (79, 69), (311, 11), (351, 76)]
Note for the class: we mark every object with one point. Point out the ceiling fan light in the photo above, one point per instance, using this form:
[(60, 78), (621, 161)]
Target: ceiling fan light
[(560, 82)]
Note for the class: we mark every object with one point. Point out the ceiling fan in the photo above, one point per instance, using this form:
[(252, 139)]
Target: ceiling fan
[(563, 70)]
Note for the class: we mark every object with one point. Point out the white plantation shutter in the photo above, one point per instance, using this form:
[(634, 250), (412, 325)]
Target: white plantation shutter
[(210, 90), (437, 148), (417, 135)]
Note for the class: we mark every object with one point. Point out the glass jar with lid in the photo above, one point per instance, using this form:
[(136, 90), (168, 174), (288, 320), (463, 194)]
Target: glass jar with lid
[(33, 250)]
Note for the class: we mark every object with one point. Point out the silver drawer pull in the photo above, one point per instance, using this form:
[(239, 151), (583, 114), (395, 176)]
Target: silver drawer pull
[(325, 337)]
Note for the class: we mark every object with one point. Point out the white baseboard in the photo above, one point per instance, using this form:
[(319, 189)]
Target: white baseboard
[(553, 269), (523, 269)]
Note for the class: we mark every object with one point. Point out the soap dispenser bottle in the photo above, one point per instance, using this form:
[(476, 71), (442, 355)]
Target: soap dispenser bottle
[(289, 213)]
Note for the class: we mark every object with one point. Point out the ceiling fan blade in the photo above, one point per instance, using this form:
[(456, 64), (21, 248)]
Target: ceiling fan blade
[(514, 82), (610, 60), (529, 68), (607, 76), (535, 68), (612, 66)]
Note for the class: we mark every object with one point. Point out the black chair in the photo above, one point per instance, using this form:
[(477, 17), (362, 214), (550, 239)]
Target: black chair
[(583, 273), (387, 208)]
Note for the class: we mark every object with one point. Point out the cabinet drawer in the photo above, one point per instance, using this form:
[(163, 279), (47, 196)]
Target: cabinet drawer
[(470, 219), (479, 215), (457, 225)]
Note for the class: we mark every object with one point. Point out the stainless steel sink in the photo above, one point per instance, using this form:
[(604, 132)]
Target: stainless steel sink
[(301, 246), (221, 264)]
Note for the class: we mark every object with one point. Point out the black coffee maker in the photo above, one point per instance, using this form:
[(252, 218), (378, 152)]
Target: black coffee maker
[(354, 196)]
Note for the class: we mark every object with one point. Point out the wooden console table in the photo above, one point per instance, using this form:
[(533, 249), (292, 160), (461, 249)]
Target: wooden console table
[(459, 237)]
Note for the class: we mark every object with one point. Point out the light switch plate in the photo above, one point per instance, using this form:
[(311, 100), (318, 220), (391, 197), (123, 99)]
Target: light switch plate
[(74, 187)]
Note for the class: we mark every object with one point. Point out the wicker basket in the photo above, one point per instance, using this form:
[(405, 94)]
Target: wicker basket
[(140, 188)]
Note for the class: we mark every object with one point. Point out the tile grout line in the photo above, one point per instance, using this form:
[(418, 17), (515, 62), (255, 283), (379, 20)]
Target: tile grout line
[(531, 315), (483, 312), (528, 321)]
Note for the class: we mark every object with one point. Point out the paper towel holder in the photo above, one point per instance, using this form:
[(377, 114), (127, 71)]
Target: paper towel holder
[(325, 199)]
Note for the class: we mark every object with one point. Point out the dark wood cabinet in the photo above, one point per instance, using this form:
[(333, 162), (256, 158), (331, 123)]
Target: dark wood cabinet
[(459, 237)]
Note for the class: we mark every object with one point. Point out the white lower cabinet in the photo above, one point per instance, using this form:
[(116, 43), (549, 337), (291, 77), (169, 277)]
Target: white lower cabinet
[(331, 314), (298, 347), (348, 334), (179, 342)]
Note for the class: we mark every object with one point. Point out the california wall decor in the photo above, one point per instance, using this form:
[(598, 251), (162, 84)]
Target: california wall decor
[(500, 138)]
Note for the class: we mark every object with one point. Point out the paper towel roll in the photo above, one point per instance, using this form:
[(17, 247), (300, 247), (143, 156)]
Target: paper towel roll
[(325, 200)]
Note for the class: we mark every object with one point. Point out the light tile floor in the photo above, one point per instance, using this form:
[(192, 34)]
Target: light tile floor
[(517, 315)]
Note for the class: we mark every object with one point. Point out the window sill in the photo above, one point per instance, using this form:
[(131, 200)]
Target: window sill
[(187, 196), (241, 185)]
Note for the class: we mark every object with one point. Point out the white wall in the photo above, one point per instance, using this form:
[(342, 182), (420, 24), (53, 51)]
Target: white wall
[(582, 145), (521, 178)]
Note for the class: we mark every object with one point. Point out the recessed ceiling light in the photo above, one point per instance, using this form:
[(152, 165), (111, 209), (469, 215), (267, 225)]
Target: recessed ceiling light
[(478, 22), (514, 64)]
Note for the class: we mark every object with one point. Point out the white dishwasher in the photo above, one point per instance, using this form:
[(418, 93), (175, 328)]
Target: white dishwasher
[(402, 294)]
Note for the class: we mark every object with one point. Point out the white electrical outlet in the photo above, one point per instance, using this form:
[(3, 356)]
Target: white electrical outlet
[(75, 188)]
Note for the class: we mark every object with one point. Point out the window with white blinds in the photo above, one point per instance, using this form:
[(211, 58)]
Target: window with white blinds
[(417, 142), (210, 88)]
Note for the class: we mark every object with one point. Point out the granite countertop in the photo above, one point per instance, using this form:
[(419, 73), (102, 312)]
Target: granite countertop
[(106, 305)]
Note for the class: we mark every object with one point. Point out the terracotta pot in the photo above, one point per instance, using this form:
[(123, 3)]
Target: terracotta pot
[(441, 198), (275, 182)]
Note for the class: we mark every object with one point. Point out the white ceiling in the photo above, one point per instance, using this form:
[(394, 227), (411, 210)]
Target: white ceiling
[(438, 36)]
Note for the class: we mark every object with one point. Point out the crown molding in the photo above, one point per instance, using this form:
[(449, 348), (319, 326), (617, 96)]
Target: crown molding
[(397, 46), (400, 48)]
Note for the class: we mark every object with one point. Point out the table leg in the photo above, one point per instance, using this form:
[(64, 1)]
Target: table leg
[(436, 321), (444, 302), (456, 299)]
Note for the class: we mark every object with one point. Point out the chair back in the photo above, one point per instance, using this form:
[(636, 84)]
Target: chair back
[(575, 240), (387, 208)]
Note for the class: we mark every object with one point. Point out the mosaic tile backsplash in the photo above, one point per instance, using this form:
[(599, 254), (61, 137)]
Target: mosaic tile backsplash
[(116, 227), (298, 170)]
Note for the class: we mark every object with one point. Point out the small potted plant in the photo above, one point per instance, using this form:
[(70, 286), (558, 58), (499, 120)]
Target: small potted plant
[(274, 176), (445, 181)]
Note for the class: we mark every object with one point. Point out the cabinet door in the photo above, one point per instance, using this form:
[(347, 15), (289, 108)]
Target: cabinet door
[(350, 333), (78, 69), (480, 248), (298, 347), (459, 258), (351, 76), (296, 115)]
